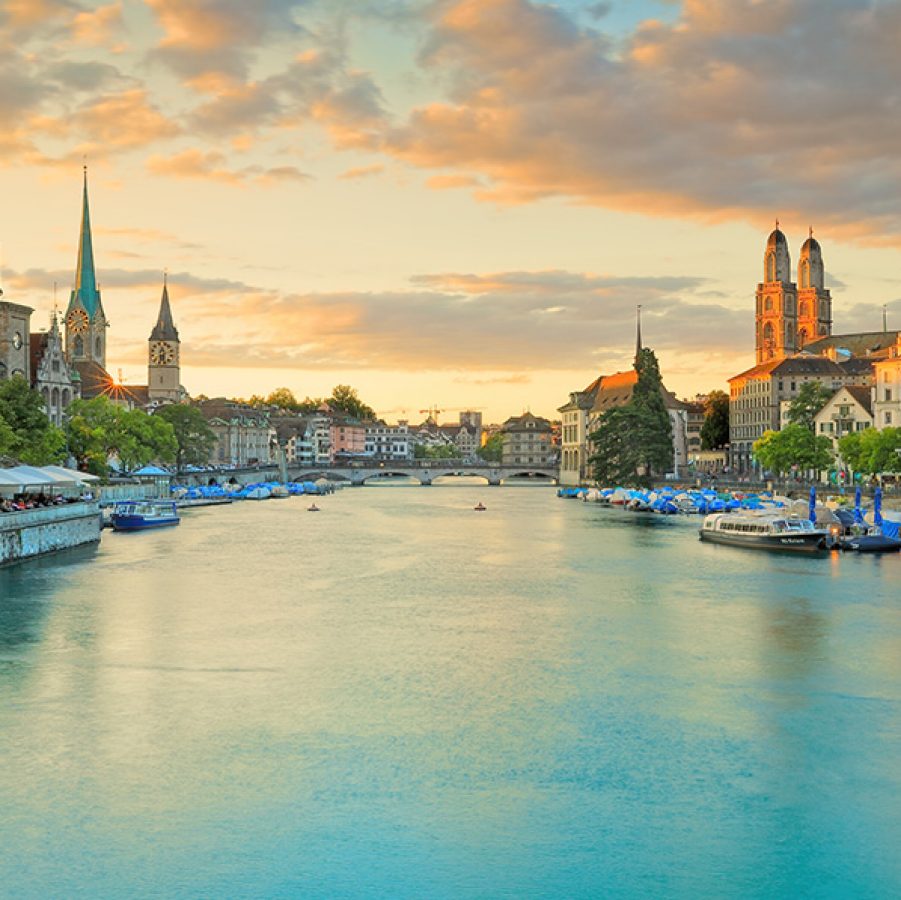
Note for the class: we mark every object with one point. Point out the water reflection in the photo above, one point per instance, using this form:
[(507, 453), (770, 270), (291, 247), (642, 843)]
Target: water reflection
[(401, 697)]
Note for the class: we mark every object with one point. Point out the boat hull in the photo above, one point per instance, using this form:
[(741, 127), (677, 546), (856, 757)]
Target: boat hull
[(142, 523), (784, 543), (871, 543)]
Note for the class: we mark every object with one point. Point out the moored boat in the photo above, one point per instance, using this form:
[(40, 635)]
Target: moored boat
[(139, 515), (764, 531)]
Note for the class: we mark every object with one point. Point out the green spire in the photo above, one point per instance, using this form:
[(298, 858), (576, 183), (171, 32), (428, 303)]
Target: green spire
[(85, 292)]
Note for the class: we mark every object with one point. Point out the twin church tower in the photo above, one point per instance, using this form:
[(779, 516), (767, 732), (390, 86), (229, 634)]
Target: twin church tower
[(86, 330), (790, 314)]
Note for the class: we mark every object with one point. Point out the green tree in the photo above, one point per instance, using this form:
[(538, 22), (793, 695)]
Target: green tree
[(634, 443), (715, 430), (871, 451), (345, 399), (812, 397), (99, 429), (194, 438), (27, 434), (493, 448), (794, 446)]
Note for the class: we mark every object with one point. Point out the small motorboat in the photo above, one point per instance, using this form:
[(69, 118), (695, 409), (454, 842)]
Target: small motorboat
[(871, 543), (313, 508), (139, 515), (480, 507)]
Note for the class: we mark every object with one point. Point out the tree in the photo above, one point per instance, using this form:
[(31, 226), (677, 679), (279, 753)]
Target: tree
[(812, 397), (871, 451), (493, 448), (98, 429), (715, 430), (794, 447), (194, 438), (26, 433), (345, 399), (633, 443)]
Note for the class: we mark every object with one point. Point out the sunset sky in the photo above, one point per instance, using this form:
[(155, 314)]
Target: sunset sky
[(456, 202)]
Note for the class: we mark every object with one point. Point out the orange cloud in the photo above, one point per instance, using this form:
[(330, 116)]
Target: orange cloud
[(194, 163), (98, 26), (362, 172)]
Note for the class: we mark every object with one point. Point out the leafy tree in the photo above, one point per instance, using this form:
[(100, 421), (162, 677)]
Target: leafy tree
[(26, 433), (345, 399), (812, 397), (715, 430), (794, 446), (633, 443), (194, 438), (98, 429), (493, 448), (872, 451)]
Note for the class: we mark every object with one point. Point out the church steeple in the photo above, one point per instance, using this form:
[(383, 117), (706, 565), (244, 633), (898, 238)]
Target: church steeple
[(165, 329), (85, 320), (85, 275)]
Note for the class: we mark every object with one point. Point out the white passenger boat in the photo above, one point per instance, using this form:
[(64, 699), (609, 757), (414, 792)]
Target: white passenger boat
[(764, 531), (139, 515)]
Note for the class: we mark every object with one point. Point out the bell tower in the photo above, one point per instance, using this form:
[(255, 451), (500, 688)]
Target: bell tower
[(777, 313), (164, 364), (814, 301), (85, 321)]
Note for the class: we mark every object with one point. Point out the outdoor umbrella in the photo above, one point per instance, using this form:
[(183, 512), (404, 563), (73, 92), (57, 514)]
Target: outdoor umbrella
[(812, 506), (877, 508), (858, 512)]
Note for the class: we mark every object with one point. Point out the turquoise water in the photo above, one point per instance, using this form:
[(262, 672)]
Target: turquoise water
[(399, 697)]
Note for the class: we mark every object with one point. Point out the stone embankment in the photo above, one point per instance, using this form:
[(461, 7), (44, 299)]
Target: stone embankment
[(35, 532)]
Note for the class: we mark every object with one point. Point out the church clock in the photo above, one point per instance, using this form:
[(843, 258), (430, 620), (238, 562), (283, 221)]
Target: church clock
[(162, 353), (77, 321)]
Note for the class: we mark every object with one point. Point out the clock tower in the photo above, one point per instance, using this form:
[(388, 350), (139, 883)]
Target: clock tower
[(163, 368)]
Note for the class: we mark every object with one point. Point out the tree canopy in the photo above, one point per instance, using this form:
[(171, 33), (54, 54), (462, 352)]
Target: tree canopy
[(493, 448), (634, 443), (25, 431), (344, 399), (796, 446), (871, 451), (715, 430), (812, 397), (193, 437), (99, 429)]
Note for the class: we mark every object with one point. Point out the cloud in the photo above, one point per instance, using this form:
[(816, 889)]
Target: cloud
[(738, 109), (206, 37), (363, 172), (97, 27), (211, 166)]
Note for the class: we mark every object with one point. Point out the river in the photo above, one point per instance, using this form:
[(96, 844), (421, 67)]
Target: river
[(400, 697)]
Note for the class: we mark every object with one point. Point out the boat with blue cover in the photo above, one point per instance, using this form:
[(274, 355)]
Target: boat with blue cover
[(139, 515)]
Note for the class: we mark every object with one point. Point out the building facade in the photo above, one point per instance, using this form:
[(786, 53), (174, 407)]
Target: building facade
[(244, 434), (887, 388), (847, 411), (385, 441), (50, 373), (574, 430), (15, 349), (527, 440)]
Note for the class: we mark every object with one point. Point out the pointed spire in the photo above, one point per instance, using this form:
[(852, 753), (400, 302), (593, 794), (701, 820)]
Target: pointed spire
[(810, 231), (637, 332), (165, 329), (85, 291)]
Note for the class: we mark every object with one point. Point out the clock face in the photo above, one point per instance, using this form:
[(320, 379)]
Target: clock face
[(77, 321), (162, 354), (17, 340)]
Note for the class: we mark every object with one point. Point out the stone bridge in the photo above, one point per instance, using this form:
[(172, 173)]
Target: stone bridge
[(357, 474)]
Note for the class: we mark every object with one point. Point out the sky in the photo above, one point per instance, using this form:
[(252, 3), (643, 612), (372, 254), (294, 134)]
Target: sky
[(451, 203)]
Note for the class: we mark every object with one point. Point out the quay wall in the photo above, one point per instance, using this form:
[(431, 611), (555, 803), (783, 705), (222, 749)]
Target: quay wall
[(34, 532)]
